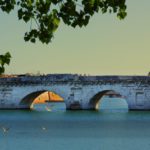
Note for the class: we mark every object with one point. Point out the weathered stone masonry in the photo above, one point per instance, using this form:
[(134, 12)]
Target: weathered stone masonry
[(79, 92)]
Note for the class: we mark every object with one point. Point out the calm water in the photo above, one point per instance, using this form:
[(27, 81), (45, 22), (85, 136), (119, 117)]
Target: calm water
[(58, 129)]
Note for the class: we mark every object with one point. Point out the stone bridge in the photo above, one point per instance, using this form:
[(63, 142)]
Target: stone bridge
[(78, 92)]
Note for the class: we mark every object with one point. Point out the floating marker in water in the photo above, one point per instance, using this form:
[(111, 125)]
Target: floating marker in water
[(47, 108), (4, 129), (43, 128)]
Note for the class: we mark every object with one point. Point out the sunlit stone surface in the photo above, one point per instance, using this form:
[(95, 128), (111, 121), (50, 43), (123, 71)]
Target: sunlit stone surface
[(78, 92)]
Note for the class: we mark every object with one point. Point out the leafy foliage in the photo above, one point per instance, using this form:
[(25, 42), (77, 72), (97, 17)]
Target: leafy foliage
[(4, 59), (45, 15), (7, 5)]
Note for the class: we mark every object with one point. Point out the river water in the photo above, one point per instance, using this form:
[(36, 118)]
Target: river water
[(50, 127)]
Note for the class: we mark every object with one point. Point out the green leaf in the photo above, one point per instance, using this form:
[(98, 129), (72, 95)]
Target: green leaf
[(2, 70), (4, 59)]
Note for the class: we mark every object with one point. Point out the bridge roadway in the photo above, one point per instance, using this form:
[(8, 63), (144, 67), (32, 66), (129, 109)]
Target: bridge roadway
[(78, 91)]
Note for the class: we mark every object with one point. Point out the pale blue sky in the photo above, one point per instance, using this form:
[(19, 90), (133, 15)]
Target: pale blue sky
[(107, 46)]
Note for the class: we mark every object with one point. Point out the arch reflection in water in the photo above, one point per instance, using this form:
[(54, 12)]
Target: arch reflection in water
[(113, 104), (109, 100), (43, 100)]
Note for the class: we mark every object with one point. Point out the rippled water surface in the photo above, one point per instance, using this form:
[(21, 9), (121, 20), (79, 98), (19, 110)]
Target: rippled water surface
[(53, 128)]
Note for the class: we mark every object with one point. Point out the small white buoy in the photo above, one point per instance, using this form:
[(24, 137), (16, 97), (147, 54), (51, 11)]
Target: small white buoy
[(5, 130), (43, 128), (48, 109)]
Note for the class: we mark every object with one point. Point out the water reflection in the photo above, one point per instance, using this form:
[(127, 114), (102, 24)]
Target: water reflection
[(113, 104), (50, 107), (87, 130), (105, 104)]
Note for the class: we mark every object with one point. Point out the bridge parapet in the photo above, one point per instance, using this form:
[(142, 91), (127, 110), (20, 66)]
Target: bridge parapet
[(75, 79)]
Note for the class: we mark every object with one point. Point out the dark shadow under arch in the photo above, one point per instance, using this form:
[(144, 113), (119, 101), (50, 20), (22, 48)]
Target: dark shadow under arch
[(29, 99), (94, 101)]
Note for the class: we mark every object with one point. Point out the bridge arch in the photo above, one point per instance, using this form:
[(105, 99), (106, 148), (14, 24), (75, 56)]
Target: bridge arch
[(95, 100), (38, 97)]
